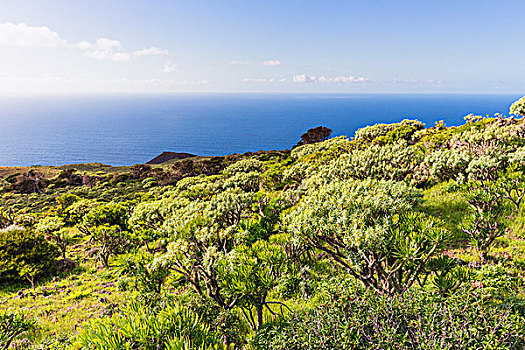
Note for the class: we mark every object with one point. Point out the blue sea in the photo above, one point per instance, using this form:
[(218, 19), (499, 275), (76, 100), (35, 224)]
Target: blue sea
[(130, 129)]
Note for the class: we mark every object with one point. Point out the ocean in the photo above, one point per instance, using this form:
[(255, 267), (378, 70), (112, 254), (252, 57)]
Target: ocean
[(131, 129)]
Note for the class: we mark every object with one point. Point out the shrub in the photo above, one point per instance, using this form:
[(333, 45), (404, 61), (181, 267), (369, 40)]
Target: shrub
[(518, 107), (249, 273), (11, 326), (139, 328), (7, 217), (309, 159), (244, 166), (445, 164), (385, 133), (498, 281), (112, 214), (394, 161), (249, 182)]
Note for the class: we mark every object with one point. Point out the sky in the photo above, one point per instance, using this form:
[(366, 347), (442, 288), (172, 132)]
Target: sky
[(275, 46)]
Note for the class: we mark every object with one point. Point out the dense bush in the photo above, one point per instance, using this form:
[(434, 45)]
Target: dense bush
[(395, 161), (363, 320), (387, 133)]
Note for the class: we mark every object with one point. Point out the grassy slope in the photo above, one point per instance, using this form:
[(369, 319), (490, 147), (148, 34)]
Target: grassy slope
[(61, 307)]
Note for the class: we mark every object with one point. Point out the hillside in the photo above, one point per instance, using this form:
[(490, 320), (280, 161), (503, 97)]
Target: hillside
[(404, 236)]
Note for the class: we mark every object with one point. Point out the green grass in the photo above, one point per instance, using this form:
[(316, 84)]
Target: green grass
[(447, 205), (61, 307)]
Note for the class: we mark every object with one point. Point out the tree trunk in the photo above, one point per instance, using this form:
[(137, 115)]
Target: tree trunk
[(31, 279), (105, 260), (483, 256), (226, 339), (259, 316)]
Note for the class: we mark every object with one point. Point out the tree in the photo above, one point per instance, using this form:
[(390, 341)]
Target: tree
[(150, 275), (514, 186), (148, 218), (68, 177), (63, 202), (112, 214), (139, 171), (222, 249), (251, 272), (107, 226), (25, 254), (112, 240), (74, 214), (53, 229), (318, 134), (518, 107), (484, 223), (371, 230), (202, 232)]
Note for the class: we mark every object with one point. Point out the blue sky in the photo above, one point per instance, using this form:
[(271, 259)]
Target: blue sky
[(461, 46)]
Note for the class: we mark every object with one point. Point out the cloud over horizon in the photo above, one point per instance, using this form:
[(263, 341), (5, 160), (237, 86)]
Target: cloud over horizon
[(264, 80), (304, 78)]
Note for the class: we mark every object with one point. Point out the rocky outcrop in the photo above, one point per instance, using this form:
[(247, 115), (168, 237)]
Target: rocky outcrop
[(165, 156)]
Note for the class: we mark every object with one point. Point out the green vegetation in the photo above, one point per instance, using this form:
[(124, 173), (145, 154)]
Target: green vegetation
[(403, 237)]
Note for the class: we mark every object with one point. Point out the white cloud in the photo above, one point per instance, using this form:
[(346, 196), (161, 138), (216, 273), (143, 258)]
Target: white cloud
[(84, 45), (170, 67), (303, 78), (342, 79), (23, 35), (418, 82), (120, 57), (104, 48), (152, 51), (271, 63), (263, 80), (240, 63)]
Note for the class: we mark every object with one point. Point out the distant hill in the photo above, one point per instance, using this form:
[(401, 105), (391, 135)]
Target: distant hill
[(165, 156)]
